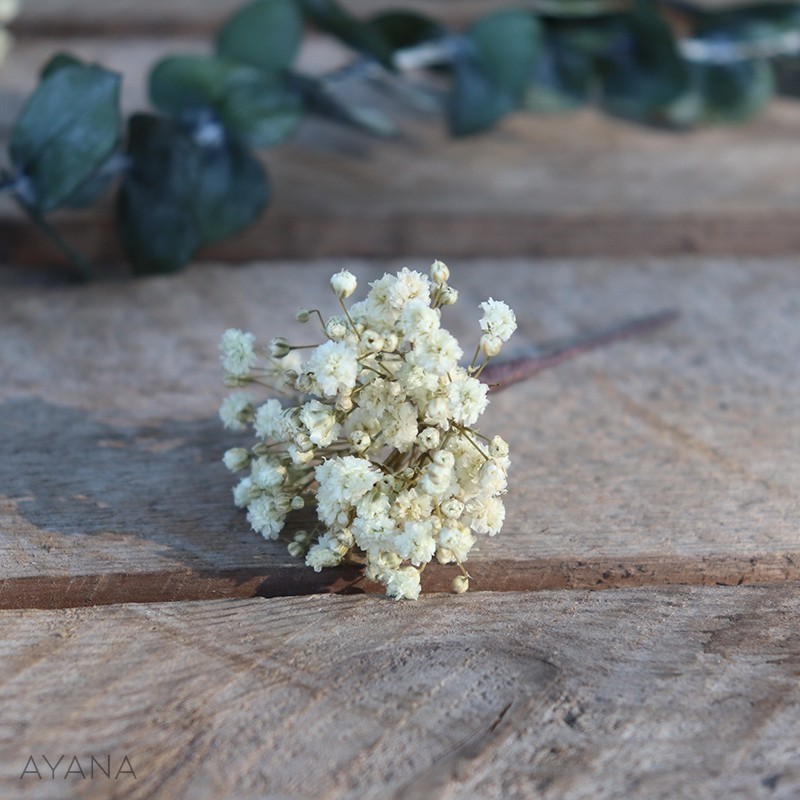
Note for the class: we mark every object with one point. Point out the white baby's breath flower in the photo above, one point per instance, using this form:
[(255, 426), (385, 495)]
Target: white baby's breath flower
[(237, 352), (498, 319), (379, 442), (403, 583), (269, 422), (236, 410), (334, 367), (486, 514), (437, 353), (265, 517), (320, 420), (321, 556)]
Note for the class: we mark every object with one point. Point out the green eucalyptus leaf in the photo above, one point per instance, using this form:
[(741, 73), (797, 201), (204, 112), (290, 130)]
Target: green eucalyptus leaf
[(92, 188), (57, 62), (67, 128), (178, 195), (265, 34), (180, 85), (263, 113), (493, 71), (401, 29), (644, 75), (154, 204), (259, 107), (732, 92), (475, 103), (231, 191), (563, 77), (331, 17)]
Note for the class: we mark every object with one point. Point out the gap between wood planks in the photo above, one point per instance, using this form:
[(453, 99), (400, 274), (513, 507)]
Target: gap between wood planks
[(71, 591)]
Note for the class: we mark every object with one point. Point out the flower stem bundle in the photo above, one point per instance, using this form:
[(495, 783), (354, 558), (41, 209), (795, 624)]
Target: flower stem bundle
[(379, 440)]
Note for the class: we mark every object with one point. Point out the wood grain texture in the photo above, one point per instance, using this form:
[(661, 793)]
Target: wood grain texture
[(577, 184), (119, 17), (650, 693), (666, 459)]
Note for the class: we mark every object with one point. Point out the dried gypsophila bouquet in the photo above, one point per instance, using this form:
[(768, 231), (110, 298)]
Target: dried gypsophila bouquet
[(380, 441)]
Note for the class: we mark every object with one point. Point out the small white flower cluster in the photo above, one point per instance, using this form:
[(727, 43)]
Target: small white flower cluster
[(379, 442)]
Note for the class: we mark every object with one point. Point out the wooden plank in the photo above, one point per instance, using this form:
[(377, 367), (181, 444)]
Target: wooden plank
[(121, 18), (580, 184), (644, 693), (667, 459)]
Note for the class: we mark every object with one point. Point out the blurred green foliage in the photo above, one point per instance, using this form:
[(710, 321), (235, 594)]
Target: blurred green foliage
[(188, 175)]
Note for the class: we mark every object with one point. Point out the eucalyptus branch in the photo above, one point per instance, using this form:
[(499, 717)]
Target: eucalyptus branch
[(188, 174)]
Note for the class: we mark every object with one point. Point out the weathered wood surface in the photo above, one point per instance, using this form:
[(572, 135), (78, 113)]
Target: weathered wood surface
[(578, 184), (120, 17), (667, 459), (643, 693)]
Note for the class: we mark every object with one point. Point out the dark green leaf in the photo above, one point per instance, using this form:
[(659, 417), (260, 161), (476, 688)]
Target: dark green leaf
[(492, 72), (563, 77), (506, 46), (400, 29), (68, 127), (154, 204), (475, 102), (732, 92), (265, 34), (178, 195), (180, 85), (644, 75), (263, 113), (332, 18), (92, 188), (232, 190), (57, 62), (259, 107)]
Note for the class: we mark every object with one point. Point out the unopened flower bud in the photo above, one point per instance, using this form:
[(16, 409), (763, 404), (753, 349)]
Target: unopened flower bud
[(290, 378), (448, 296), (498, 447), (302, 536), (336, 328), (304, 383), (279, 347), (460, 584), (444, 458), (297, 503), (345, 403), (372, 341), (298, 456), (359, 440), (390, 343), (302, 315), (236, 459), (343, 284), (439, 272), (387, 484), (296, 549), (428, 439), (452, 508), (303, 442), (490, 345)]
